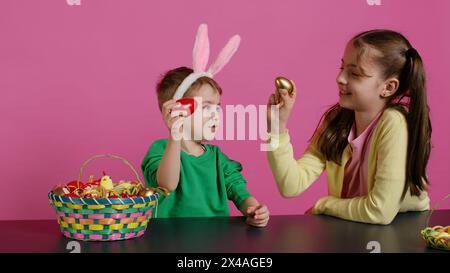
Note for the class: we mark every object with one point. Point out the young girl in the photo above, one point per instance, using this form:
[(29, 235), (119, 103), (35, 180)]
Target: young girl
[(200, 177), (374, 143)]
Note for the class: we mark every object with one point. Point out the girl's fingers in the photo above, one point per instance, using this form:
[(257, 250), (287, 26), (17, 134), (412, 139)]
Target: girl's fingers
[(279, 105), (309, 211), (277, 97), (288, 100), (271, 100), (294, 93), (284, 94)]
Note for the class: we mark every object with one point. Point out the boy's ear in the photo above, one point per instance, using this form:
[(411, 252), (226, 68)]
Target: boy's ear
[(390, 87)]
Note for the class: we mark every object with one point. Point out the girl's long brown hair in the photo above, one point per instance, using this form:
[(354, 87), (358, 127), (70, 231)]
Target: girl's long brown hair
[(398, 59)]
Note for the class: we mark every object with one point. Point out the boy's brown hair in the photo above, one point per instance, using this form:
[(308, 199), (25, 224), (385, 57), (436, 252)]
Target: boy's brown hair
[(169, 82)]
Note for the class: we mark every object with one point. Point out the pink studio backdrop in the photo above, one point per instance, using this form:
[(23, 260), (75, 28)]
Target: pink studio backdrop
[(79, 80)]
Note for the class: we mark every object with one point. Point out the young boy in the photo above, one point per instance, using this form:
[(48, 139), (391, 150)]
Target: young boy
[(201, 179)]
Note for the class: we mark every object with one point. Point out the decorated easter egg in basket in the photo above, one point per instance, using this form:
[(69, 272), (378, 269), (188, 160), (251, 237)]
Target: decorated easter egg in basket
[(437, 237)]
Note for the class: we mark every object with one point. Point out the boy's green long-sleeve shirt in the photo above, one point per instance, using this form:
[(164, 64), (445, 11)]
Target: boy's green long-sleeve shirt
[(206, 183)]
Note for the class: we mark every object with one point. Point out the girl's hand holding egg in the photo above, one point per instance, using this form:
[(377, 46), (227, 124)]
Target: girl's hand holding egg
[(283, 99)]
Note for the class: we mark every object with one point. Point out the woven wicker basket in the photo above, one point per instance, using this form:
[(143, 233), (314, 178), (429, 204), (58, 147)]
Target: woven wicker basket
[(437, 237), (103, 219)]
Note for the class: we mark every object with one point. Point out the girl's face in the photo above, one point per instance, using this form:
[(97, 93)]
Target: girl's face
[(360, 85), (204, 122)]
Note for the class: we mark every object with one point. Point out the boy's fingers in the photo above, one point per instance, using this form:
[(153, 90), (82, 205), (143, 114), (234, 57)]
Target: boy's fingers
[(261, 223), (262, 212), (257, 218), (178, 118), (261, 216), (176, 123), (254, 221), (168, 104), (168, 108), (250, 210), (167, 111), (178, 113), (261, 209)]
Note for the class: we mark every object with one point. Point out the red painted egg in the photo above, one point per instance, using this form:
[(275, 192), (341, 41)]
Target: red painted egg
[(189, 104)]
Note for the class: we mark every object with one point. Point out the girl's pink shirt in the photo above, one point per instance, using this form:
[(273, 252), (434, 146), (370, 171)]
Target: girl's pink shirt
[(356, 169)]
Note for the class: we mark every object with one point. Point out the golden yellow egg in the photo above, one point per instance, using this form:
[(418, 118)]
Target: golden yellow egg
[(283, 83)]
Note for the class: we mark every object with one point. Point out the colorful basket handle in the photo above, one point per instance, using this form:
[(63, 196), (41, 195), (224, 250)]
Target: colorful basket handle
[(109, 156), (438, 204)]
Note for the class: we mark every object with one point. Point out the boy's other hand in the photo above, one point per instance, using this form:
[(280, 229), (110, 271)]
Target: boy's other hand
[(257, 216)]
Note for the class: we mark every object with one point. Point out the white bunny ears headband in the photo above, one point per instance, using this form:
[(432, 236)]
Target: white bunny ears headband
[(200, 59)]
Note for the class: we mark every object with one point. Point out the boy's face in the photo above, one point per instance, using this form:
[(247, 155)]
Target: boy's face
[(204, 122)]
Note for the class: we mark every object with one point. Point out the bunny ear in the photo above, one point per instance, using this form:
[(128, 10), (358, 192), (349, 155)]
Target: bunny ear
[(200, 53), (225, 55)]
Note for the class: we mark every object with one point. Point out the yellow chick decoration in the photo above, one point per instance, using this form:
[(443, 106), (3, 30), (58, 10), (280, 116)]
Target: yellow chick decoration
[(106, 183)]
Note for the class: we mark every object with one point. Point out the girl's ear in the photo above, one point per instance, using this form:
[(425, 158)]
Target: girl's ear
[(390, 87)]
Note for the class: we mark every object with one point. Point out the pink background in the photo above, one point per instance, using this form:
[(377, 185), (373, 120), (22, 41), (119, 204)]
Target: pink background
[(79, 80)]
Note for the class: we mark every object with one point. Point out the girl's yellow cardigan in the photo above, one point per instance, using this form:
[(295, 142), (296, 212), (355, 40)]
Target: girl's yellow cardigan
[(386, 174)]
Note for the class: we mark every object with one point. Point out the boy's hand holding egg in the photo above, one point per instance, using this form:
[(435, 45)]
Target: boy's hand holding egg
[(174, 113), (188, 104)]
